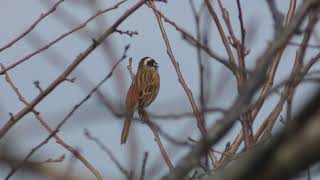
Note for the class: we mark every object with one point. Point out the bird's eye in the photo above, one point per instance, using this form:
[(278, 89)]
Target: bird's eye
[(150, 63)]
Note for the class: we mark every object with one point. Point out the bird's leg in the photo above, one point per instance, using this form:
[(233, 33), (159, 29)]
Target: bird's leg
[(140, 114), (143, 115)]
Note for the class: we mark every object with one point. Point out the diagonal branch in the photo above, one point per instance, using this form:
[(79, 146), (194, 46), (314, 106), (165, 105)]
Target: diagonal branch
[(52, 134), (194, 42), (277, 158), (221, 32), (266, 88), (198, 115), (32, 26), (156, 134), (242, 103), (11, 122), (109, 153), (25, 58)]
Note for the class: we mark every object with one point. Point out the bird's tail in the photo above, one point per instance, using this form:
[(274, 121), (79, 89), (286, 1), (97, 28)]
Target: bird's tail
[(126, 128)]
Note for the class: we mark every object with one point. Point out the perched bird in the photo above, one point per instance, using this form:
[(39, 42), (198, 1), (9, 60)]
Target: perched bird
[(142, 92)]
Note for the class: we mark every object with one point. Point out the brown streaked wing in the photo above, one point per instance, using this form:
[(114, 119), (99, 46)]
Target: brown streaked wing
[(149, 84), (132, 97)]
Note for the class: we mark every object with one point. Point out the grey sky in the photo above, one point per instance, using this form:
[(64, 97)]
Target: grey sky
[(16, 16)]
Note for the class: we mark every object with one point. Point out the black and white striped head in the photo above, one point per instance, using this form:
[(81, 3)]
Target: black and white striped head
[(148, 62)]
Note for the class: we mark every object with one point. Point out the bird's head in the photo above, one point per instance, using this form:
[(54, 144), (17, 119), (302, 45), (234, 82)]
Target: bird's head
[(149, 63)]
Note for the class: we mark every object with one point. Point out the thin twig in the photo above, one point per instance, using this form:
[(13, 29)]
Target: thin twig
[(25, 58), (167, 136), (201, 71), (277, 158), (221, 32), (52, 134), (239, 46), (241, 105), (144, 165), (200, 61), (32, 26), (277, 16), (11, 122), (179, 74), (296, 78), (56, 160), (186, 114), (275, 62), (199, 117), (95, 88), (129, 67), (268, 84), (241, 76), (242, 45), (156, 134), (109, 153), (193, 41), (308, 45), (37, 85), (129, 33), (243, 31), (45, 141)]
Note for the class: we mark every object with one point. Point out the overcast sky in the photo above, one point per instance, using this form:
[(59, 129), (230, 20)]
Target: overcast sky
[(17, 16)]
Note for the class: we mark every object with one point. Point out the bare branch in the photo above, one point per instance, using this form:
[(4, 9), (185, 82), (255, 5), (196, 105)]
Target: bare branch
[(71, 67), (109, 153), (156, 134), (221, 32), (32, 26), (282, 152), (199, 117), (101, 12), (278, 17), (52, 134), (129, 33), (217, 131), (193, 41), (56, 160), (144, 164), (14, 169)]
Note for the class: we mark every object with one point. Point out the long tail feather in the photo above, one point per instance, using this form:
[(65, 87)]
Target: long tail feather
[(126, 128)]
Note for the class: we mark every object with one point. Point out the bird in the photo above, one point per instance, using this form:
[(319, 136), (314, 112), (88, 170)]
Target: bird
[(142, 92)]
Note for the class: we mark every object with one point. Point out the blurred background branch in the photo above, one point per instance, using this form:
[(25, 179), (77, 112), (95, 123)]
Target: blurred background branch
[(245, 106)]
